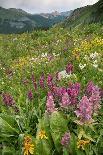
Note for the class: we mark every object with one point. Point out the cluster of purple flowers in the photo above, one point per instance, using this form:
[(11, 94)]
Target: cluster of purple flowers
[(69, 68), (50, 103), (85, 110), (89, 105), (34, 82), (8, 99), (50, 81), (65, 100), (30, 95), (73, 92), (41, 81), (65, 139)]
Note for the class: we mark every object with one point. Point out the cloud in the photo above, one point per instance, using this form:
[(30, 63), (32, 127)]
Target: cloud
[(45, 5)]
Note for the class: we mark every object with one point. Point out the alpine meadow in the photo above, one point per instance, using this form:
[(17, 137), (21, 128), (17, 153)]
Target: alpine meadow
[(51, 82)]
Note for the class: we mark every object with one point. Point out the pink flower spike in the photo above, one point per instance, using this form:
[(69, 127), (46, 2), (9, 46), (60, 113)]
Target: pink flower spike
[(50, 103), (65, 100)]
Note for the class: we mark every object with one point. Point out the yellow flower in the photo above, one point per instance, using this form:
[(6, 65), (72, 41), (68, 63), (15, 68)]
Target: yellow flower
[(28, 146), (42, 135), (81, 143)]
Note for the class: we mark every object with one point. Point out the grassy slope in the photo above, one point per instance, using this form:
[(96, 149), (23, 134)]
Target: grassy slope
[(86, 15)]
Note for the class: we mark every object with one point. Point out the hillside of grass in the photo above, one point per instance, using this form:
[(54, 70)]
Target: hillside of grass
[(86, 15)]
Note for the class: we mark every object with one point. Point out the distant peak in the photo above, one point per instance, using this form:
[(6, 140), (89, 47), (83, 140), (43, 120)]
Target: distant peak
[(55, 13)]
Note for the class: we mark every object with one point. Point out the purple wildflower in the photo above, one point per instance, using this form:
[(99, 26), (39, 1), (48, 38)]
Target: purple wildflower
[(65, 139), (8, 99), (69, 68), (50, 103), (41, 81), (50, 81), (65, 100), (34, 82), (85, 111), (60, 91), (95, 99), (30, 95), (73, 92), (101, 93), (89, 88)]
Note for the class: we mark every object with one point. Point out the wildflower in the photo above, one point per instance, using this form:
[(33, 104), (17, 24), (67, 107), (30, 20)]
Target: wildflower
[(82, 66), (42, 135), (95, 99), (85, 110), (94, 55), (50, 80), (56, 75), (63, 74), (73, 92), (65, 139), (28, 146), (101, 93), (81, 143), (8, 99), (59, 91), (41, 81), (30, 95), (95, 65), (69, 68), (65, 100), (34, 82), (50, 103), (89, 88), (74, 89)]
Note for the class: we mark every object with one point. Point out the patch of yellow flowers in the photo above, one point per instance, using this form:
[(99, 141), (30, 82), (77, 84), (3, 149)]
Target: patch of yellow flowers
[(28, 146), (82, 143)]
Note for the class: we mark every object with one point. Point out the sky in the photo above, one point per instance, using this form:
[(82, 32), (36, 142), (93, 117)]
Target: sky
[(40, 6)]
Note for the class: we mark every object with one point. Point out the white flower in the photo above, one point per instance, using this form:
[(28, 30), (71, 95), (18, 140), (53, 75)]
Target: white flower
[(95, 65), (95, 62), (94, 55), (82, 66), (63, 74), (44, 55)]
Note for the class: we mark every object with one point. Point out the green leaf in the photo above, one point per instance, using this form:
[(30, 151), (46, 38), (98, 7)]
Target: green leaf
[(58, 126), (43, 146)]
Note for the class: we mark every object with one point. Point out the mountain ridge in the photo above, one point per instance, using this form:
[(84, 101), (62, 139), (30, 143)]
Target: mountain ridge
[(14, 20)]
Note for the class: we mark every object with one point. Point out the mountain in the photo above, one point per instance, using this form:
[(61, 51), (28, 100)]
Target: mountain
[(17, 20), (85, 15)]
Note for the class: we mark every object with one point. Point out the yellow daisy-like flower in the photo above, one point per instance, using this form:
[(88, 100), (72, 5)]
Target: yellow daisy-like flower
[(81, 143), (42, 135), (28, 146)]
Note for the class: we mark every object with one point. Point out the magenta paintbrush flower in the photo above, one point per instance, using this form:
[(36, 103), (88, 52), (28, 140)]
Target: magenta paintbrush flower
[(69, 68), (65, 139), (8, 99), (50, 81), (89, 88), (30, 95), (50, 103), (34, 82), (95, 99), (65, 100), (41, 81), (73, 92), (85, 110)]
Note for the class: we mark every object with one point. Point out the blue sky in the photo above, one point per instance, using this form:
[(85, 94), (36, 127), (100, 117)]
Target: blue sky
[(39, 6)]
